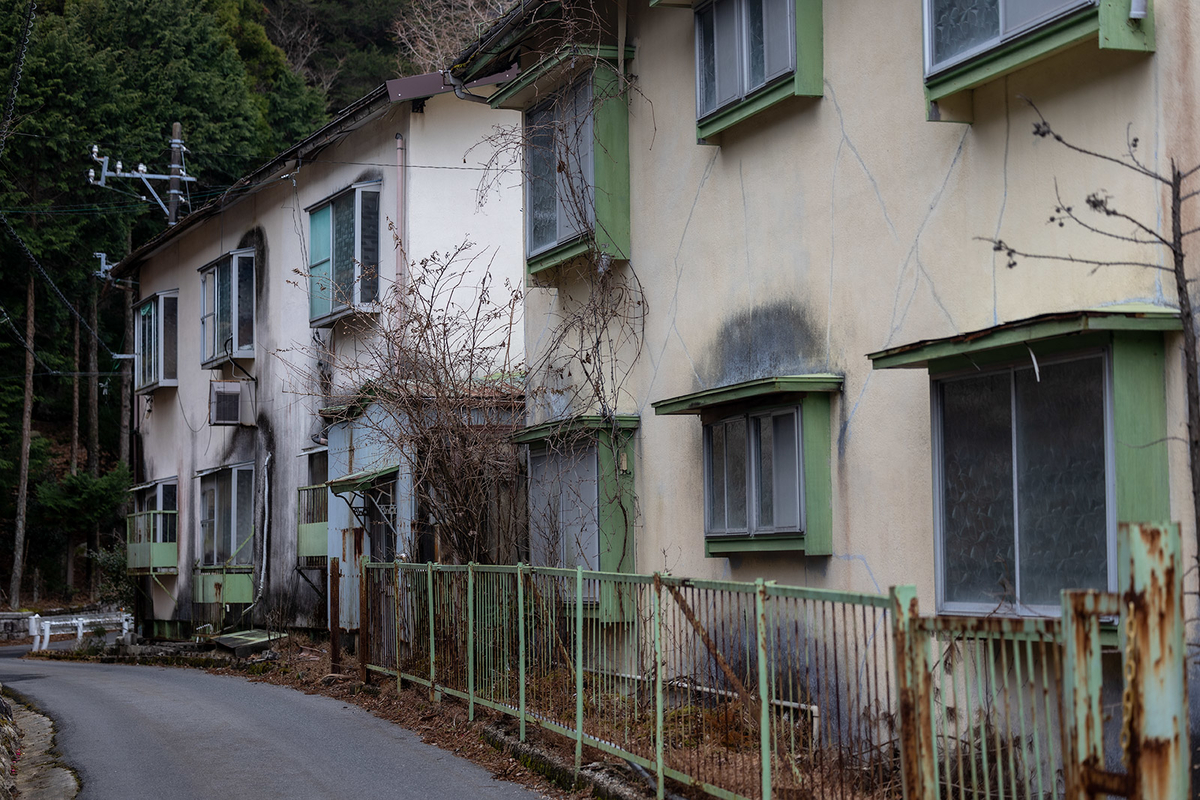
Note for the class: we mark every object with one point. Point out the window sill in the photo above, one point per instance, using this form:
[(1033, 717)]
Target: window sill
[(558, 255), (720, 546), (150, 387), (328, 320), (741, 111), (1109, 25), (221, 360)]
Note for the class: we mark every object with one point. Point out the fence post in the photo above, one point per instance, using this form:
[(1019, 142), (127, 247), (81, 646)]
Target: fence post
[(659, 701), (396, 626), (432, 657), (764, 685), (1158, 741), (1082, 678), (521, 644), (471, 641), (578, 667), (917, 755), (364, 622), (335, 615)]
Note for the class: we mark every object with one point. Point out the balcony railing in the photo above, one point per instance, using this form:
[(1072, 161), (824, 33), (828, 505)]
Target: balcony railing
[(151, 544), (312, 528)]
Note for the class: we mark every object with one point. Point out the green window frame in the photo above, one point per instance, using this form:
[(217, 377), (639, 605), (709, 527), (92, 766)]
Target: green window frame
[(1106, 22), (806, 399), (599, 452), (603, 227), (1132, 340), (344, 253)]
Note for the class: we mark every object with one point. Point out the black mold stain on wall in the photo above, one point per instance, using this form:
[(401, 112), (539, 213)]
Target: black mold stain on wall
[(763, 341), (257, 238)]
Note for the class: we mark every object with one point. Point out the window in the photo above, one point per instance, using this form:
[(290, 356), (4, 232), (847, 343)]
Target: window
[(227, 308), (156, 506), (741, 46), (754, 474), (156, 344), (1025, 488), (956, 30), (564, 525), (559, 169), (380, 512), (226, 516), (343, 253)]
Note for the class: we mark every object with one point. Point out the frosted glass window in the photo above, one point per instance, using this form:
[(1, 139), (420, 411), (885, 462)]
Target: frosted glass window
[(1025, 490), (956, 30), (559, 171), (564, 526), (741, 46), (344, 252), (754, 474)]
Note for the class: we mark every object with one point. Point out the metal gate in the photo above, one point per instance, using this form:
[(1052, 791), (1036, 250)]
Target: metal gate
[(1003, 707)]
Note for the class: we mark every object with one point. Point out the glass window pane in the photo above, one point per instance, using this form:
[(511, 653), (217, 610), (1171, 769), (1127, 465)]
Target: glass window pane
[(318, 235), (786, 472), (961, 25), (1061, 483), (224, 308), (716, 478), (778, 33), (541, 192), (706, 62), (147, 357), (244, 520), (574, 131), (977, 490), (343, 250), (1022, 14), (544, 540), (756, 54), (245, 303), (170, 502), (319, 279), (580, 510), (208, 314), (224, 516), (368, 286), (735, 468), (170, 342), (765, 477), (728, 59), (208, 519)]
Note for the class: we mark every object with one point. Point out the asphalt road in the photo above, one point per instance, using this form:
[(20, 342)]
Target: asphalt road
[(149, 732)]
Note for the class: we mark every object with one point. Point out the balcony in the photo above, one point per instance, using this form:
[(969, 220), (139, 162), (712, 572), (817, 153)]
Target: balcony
[(312, 526), (151, 546)]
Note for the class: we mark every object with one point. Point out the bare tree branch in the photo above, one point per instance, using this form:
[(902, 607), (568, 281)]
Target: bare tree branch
[(1000, 246), (1100, 203), (1043, 130)]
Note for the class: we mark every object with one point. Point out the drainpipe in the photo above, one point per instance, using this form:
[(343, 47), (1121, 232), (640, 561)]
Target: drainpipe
[(262, 573), (1137, 9), (401, 215), (460, 91)]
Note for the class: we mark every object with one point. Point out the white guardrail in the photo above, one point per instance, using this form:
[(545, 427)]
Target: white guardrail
[(41, 629)]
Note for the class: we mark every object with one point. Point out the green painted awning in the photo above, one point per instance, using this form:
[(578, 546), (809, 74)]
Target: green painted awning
[(758, 389), (357, 481), (1124, 317), (573, 425)]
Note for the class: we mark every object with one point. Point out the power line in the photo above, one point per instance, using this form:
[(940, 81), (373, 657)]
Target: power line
[(37, 265), (25, 344), (17, 70)]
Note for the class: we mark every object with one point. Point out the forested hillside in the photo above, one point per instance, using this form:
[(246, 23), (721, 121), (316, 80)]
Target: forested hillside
[(245, 80)]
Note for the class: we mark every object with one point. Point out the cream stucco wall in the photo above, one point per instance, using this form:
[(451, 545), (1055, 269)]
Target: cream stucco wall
[(823, 229)]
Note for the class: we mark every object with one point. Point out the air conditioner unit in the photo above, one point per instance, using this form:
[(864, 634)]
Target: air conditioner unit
[(231, 403)]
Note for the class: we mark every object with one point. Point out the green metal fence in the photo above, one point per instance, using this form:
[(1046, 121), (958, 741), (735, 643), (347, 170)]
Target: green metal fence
[(747, 690)]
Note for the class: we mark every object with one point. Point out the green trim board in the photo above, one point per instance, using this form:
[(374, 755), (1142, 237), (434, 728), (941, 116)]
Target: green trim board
[(1109, 24), (357, 481), (573, 426), (808, 79), (1140, 426), (758, 389), (222, 585), (556, 257), (1127, 317)]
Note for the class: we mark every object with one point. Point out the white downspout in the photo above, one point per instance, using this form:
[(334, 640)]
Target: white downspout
[(262, 573), (1137, 9), (401, 216)]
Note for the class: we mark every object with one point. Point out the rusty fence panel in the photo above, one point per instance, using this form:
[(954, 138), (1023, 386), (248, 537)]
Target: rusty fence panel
[(744, 690)]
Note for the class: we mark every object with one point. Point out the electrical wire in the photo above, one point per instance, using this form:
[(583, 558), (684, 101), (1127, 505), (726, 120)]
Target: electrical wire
[(18, 69), (24, 344)]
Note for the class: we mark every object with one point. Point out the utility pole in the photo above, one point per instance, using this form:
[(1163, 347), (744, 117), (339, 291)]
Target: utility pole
[(14, 594), (93, 447), (75, 399), (178, 175), (176, 171)]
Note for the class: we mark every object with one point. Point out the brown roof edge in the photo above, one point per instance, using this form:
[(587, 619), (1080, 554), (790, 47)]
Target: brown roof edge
[(357, 111), (465, 62)]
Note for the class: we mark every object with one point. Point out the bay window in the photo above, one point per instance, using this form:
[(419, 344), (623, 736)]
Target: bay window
[(559, 183), (227, 516), (741, 46), (156, 341), (344, 248), (956, 30)]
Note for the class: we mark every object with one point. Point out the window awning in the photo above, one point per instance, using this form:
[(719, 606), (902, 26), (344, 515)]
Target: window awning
[(357, 481), (574, 425), (758, 389), (1124, 317)]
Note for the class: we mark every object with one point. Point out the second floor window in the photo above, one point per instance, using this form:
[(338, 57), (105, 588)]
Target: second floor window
[(344, 252), (156, 345), (227, 308), (741, 46), (956, 30), (559, 169)]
